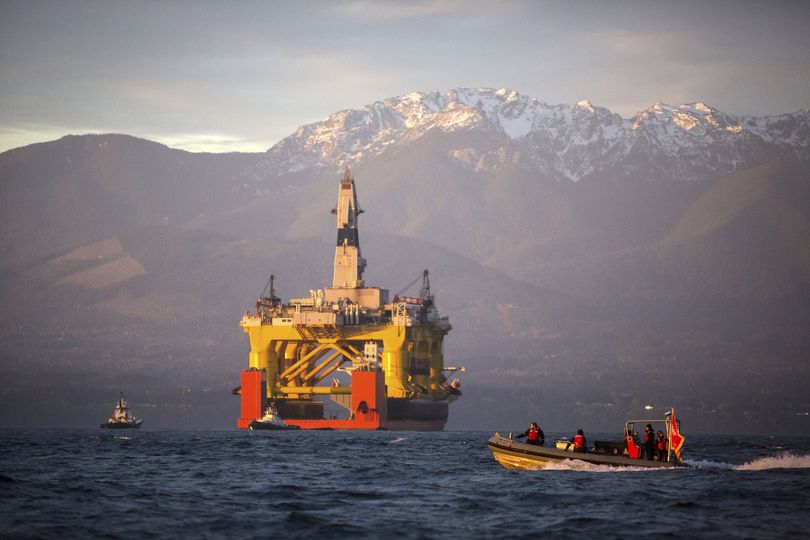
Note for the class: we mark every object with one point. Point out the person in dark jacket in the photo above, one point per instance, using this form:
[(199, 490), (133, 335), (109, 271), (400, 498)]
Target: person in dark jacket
[(648, 445), (661, 446), (534, 435), (579, 442)]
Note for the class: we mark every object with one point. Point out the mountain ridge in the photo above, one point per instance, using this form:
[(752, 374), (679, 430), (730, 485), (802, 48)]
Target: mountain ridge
[(696, 141)]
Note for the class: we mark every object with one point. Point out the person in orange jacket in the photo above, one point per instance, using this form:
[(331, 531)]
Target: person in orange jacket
[(534, 435), (579, 442)]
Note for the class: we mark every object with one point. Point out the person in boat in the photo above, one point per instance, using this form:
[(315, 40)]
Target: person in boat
[(633, 449), (534, 435), (579, 441), (661, 446), (648, 446)]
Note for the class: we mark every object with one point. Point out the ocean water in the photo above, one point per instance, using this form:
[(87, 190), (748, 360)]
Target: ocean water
[(242, 484)]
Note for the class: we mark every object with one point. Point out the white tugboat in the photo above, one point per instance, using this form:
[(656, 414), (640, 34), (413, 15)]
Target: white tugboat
[(121, 417), (271, 421)]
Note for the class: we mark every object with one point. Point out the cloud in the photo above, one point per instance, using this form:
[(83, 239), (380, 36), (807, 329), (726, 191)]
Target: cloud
[(401, 11), (636, 68), (211, 142), (257, 70), (17, 135)]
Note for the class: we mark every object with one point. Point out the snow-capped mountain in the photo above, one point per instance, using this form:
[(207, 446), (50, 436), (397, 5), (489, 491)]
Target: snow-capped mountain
[(686, 142)]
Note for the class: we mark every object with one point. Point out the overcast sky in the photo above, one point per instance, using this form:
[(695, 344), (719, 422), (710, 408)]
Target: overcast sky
[(211, 76)]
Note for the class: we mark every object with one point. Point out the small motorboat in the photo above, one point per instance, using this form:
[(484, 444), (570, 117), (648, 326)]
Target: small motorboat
[(514, 454), (271, 421), (121, 417)]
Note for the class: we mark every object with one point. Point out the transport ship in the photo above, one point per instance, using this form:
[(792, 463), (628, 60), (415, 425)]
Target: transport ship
[(393, 348)]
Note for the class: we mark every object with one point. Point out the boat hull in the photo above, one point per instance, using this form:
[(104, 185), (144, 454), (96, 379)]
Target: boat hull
[(122, 425), (513, 454), (256, 425)]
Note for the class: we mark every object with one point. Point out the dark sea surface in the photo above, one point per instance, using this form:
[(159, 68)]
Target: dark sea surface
[(232, 484)]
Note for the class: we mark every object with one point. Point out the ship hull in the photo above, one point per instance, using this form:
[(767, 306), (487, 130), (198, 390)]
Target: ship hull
[(121, 425), (416, 414), (402, 415), (367, 406)]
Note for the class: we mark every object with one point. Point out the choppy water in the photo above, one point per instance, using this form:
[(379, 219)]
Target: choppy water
[(89, 484)]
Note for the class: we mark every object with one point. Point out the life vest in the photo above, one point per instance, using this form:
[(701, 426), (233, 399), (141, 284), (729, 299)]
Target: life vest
[(534, 435), (579, 442), (662, 444)]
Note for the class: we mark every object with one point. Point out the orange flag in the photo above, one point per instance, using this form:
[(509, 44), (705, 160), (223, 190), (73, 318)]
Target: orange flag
[(676, 440)]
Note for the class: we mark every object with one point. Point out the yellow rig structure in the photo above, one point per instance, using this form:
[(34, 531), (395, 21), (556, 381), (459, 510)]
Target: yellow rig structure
[(393, 350)]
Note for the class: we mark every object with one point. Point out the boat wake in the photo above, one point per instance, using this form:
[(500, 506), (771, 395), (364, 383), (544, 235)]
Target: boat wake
[(782, 461), (785, 460), (709, 465), (582, 466), (121, 437), (397, 440)]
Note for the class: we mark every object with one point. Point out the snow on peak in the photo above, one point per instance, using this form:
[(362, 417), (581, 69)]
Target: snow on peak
[(508, 95), (700, 106), (563, 141)]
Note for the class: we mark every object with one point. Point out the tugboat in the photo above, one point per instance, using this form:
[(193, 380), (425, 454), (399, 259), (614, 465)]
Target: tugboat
[(271, 421), (121, 418), (513, 454)]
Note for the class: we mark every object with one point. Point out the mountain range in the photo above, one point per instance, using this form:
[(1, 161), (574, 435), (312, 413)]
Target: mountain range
[(687, 142), (590, 264)]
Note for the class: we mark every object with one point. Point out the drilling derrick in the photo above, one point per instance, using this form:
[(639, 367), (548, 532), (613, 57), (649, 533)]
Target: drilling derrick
[(393, 350), (349, 265)]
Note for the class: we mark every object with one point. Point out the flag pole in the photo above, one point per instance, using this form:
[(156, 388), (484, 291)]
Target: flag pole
[(669, 435)]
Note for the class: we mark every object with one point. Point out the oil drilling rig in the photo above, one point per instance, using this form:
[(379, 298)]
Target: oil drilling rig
[(393, 349)]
